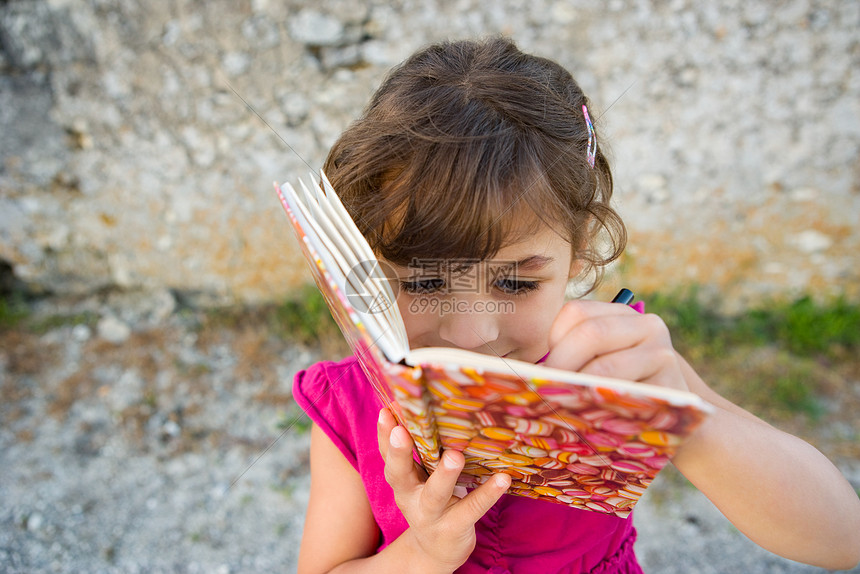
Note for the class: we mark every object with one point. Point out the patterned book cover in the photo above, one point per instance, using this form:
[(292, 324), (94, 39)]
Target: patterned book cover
[(567, 438)]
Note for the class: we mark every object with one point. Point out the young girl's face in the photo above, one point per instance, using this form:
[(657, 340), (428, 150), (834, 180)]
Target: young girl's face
[(500, 307)]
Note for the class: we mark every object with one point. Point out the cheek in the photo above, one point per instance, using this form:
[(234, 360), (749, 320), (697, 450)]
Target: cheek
[(533, 326), (533, 319), (416, 323)]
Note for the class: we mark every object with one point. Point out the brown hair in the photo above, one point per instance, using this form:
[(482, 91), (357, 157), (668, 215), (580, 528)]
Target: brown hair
[(457, 140)]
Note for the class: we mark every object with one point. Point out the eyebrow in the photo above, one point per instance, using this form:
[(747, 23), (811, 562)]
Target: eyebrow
[(532, 263)]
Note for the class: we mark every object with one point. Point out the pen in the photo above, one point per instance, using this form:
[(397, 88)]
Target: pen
[(625, 296)]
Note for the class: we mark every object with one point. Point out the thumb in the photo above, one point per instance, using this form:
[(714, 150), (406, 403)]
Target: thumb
[(476, 504)]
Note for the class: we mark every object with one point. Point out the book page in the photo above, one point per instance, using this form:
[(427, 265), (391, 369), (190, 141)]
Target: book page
[(361, 247), (340, 266)]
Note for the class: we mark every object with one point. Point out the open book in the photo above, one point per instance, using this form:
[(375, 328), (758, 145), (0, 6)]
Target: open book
[(584, 441)]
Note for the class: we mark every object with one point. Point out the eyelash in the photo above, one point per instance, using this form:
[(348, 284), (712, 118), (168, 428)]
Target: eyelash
[(507, 286), (422, 286), (519, 287)]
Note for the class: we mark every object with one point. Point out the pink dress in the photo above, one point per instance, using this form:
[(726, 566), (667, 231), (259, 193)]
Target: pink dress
[(517, 535)]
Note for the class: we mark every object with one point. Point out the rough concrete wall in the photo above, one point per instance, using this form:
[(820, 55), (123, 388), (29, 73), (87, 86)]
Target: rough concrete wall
[(129, 158)]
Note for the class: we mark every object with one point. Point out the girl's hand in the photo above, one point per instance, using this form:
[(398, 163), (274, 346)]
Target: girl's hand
[(441, 525), (613, 340)]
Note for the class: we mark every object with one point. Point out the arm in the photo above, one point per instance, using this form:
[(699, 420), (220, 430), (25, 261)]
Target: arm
[(774, 487), (777, 489), (338, 510), (340, 534)]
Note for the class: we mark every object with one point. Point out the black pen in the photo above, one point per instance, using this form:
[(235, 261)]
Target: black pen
[(625, 296)]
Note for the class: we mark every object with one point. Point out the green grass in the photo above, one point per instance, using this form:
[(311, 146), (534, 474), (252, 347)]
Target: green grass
[(794, 393), (305, 319), (42, 325), (775, 384), (777, 352), (804, 327), (15, 313), (13, 310), (294, 420), (808, 328), (693, 323)]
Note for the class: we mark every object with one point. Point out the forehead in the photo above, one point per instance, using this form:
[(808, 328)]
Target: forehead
[(539, 251), (536, 249)]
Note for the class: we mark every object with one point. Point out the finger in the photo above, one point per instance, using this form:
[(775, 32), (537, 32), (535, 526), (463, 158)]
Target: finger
[(384, 424), (400, 472), (601, 335), (476, 504), (653, 365), (575, 312), (439, 488)]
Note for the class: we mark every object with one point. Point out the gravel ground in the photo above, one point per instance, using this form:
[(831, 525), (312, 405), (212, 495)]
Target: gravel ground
[(141, 436)]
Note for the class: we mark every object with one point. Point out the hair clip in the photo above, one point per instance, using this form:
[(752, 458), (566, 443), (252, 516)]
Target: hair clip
[(591, 151)]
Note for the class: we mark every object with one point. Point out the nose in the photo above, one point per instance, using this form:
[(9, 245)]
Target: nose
[(469, 329)]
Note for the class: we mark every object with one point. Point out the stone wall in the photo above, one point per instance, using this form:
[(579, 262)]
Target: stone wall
[(139, 140)]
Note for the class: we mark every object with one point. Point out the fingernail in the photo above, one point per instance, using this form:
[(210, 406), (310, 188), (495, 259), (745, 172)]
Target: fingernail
[(501, 480), (379, 419), (394, 439), (449, 462)]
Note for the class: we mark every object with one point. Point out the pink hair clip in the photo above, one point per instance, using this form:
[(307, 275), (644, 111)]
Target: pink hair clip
[(591, 151)]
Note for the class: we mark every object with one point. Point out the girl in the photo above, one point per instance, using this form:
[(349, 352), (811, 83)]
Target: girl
[(477, 165)]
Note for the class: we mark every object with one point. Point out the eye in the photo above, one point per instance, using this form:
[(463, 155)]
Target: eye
[(515, 286), (422, 286)]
